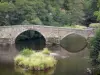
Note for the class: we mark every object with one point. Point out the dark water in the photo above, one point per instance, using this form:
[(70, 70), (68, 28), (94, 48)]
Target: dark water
[(37, 44), (30, 39), (68, 63)]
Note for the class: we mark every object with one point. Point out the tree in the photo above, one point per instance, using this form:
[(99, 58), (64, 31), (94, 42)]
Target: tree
[(90, 6), (46, 12), (74, 11), (97, 12), (5, 9)]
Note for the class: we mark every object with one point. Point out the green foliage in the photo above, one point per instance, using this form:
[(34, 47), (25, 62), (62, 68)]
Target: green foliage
[(19, 58), (27, 52), (46, 12), (35, 60), (94, 25), (36, 21), (5, 7), (46, 51), (97, 12), (90, 6), (95, 46)]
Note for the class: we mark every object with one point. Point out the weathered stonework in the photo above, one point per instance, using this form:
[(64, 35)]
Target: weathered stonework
[(52, 35), (11, 32)]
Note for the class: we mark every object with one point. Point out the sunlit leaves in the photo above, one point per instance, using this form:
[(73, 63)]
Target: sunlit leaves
[(95, 46), (5, 7), (46, 12), (97, 13), (35, 60)]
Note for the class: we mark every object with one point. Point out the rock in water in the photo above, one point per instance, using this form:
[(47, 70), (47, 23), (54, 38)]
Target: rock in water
[(73, 42)]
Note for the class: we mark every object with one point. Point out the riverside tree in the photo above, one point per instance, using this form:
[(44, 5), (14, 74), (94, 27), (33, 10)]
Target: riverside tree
[(42, 12)]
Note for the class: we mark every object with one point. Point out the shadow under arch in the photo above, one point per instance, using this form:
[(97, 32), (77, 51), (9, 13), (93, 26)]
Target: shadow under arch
[(31, 39)]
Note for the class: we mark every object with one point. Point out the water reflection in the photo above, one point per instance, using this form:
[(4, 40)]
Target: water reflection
[(75, 64), (8, 69), (30, 39), (72, 66), (25, 72), (36, 44)]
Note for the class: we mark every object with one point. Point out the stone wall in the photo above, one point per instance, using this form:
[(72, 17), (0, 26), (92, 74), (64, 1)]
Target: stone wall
[(11, 32), (52, 34)]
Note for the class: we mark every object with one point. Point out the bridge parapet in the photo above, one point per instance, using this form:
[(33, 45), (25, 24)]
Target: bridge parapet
[(12, 32)]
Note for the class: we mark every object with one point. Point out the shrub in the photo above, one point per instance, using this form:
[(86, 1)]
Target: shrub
[(94, 25), (46, 51), (35, 60), (80, 26), (19, 58), (27, 52), (95, 46)]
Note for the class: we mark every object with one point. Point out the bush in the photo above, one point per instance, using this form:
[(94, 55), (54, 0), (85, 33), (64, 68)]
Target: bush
[(94, 25), (35, 60), (46, 51), (95, 46), (27, 52)]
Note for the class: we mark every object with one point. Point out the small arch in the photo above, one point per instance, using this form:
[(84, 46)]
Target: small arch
[(73, 42), (31, 39)]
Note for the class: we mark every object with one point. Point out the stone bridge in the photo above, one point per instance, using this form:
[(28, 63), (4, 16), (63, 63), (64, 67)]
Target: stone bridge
[(11, 32), (8, 34)]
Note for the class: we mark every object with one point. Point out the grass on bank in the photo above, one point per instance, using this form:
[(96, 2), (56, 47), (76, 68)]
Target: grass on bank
[(32, 60)]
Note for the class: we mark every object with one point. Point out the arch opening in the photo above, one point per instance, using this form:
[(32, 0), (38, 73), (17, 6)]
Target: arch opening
[(73, 43), (31, 39)]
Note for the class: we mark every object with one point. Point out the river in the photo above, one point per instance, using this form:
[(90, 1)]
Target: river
[(68, 63)]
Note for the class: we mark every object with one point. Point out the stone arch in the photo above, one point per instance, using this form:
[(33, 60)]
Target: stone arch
[(32, 36), (73, 42), (21, 30)]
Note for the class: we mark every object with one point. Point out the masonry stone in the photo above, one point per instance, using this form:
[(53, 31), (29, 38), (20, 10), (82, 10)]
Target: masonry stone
[(11, 32), (52, 35)]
